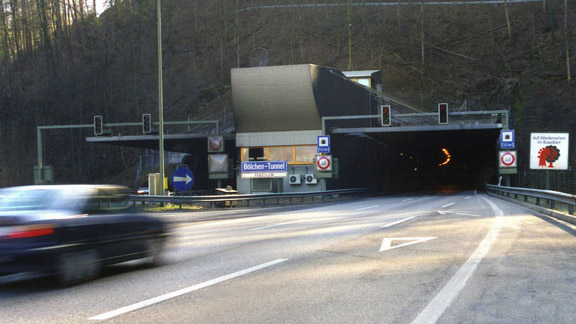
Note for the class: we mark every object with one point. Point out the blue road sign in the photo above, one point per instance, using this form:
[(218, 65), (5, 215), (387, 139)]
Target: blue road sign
[(507, 140), (324, 144), (264, 169), (183, 178)]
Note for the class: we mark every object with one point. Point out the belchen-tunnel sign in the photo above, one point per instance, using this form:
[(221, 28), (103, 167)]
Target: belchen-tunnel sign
[(264, 169), (549, 151)]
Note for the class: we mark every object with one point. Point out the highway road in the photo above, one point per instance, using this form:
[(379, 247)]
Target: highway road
[(459, 257)]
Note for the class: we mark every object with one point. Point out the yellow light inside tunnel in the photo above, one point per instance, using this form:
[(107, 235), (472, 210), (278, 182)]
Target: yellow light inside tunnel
[(445, 151)]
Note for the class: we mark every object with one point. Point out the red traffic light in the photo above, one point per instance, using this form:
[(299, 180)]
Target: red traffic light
[(98, 125), (386, 118), (443, 113), (146, 123)]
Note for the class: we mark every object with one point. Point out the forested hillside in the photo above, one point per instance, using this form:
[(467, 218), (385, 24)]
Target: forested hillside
[(63, 64)]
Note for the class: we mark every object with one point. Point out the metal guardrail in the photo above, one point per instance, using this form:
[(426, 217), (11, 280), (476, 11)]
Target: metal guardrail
[(551, 197), (213, 200)]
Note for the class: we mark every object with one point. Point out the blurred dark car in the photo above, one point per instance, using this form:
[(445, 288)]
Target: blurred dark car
[(72, 231)]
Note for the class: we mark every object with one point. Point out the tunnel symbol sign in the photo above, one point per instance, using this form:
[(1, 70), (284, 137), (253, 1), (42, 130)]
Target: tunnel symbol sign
[(323, 144), (508, 159)]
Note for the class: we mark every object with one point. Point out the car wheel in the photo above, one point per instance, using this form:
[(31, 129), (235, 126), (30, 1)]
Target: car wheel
[(153, 252), (75, 267)]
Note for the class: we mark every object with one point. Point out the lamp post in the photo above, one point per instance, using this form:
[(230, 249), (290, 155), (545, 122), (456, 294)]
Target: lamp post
[(160, 97)]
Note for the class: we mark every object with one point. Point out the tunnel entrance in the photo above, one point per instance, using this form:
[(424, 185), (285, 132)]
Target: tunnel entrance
[(429, 159)]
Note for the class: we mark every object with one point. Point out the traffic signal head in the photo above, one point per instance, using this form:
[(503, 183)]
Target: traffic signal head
[(443, 113), (146, 123), (98, 126), (386, 118)]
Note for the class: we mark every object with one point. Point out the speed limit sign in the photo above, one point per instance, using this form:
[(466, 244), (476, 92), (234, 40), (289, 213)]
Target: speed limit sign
[(324, 162), (507, 159)]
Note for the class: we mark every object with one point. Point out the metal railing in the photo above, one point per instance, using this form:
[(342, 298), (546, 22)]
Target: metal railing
[(552, 198), (399, 119), (557, 180), (221, 200)]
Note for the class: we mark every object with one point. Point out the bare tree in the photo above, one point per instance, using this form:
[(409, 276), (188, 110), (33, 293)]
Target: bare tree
[(508, 19), (567, 42), (349, 26)]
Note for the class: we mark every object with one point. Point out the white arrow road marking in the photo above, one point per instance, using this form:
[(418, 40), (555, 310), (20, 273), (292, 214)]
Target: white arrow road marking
[(442, 212), (387, 242), (186, 179), (398, 222)]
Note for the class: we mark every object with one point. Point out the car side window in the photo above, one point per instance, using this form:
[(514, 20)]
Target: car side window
[(106, 202), (92, 206)]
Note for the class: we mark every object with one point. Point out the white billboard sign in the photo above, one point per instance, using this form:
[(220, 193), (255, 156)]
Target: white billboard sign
[(549, 151)]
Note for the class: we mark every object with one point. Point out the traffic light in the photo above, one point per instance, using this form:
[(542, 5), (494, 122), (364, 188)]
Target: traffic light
[(443, 113), (146, 123), (98, 126), (386, 118)]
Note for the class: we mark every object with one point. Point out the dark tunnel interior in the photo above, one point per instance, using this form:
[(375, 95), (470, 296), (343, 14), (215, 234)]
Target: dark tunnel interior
[(436, 160)]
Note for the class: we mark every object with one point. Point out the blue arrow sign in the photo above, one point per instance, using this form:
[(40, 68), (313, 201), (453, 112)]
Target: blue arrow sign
[(183, 178)]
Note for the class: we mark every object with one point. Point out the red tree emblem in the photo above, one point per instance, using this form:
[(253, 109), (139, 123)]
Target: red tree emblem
[(548, 154)]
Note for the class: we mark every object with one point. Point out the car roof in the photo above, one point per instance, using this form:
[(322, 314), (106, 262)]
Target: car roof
[(98, 189), (68, 186)]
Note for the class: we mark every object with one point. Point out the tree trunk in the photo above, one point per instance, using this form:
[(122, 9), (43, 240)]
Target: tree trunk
[(508, 20), (349, 9), (567, 42)]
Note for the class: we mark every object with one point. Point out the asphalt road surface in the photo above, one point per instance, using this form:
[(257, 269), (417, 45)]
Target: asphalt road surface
[(435, 258)]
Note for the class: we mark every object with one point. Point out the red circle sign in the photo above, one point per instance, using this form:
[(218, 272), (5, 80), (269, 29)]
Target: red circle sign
[(215, 143), (323, 163), (508, 159)]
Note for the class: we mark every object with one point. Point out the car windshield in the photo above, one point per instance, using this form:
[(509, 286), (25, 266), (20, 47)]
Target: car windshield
[(14, 199)]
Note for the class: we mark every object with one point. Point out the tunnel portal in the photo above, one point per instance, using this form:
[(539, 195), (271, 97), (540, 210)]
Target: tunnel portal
[(424, 160)]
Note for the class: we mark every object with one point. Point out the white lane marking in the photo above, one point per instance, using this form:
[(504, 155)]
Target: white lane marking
[(408, 199), (446, 296), (323, 220), (448, 205), (159, 299), (375, 206), (326, 220), (274, 225), (464, 214), (398, 222), (467, 197), (442, 212), (387, 242)]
